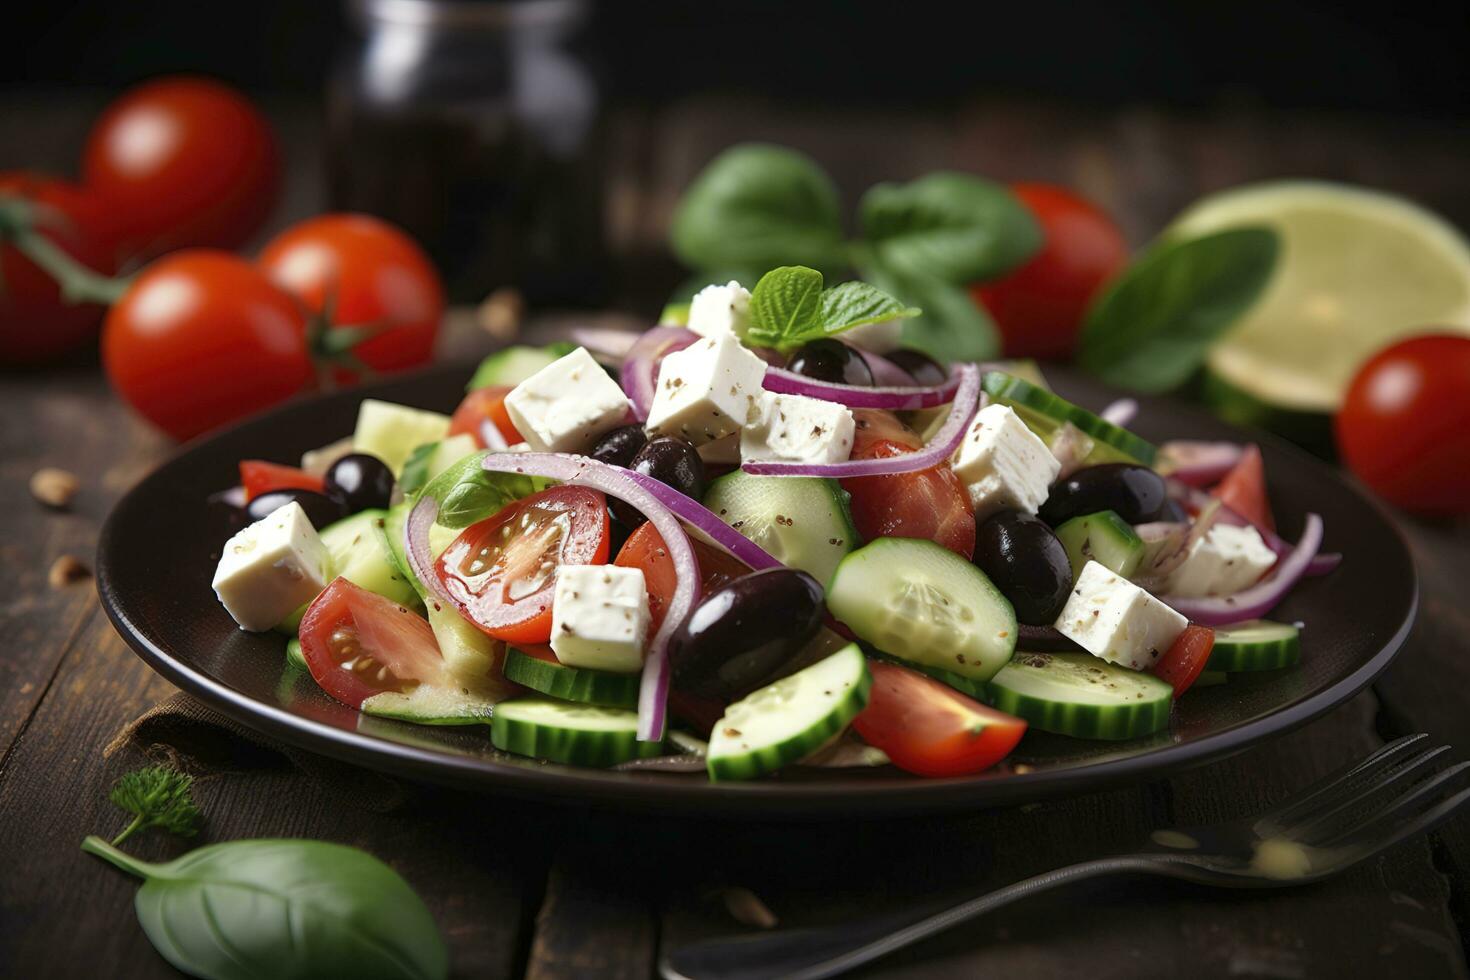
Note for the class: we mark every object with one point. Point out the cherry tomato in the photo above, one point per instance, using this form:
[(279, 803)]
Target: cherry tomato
[(1244, 489), (183, 162), (930, 729), (1404, 427), (1039, 308), (258, 476), (368, 274), (357, 644), (645, 550), (202, 338), (1185, 660), (36, 324), (479, 406), (930, 504), (501, 572)]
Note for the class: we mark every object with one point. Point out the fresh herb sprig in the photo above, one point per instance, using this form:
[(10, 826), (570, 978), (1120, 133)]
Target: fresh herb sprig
[(789, 307), (157, 796)]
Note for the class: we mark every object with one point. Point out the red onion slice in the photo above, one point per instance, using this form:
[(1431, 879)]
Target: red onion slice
[(606, 343), (784, 382), (1197, 462), (639, 375), (1261, 598), (1120, 412), (1168, 558), (706, 523), (940, 448), (885, 372), (491, 437), (416, 546), (580, 471), (1197, 499)]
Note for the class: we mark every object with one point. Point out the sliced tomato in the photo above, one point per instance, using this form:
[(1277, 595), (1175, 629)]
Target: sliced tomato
[(1244, 489), (645, 550), (501, 572), (540, 651), (1182, 664), (480, 405), (258, 477), (930, 729), (929, 504), (358, 644)]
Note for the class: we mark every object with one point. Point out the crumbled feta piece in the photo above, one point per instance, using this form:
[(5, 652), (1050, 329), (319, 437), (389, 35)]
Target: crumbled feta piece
[(706, 391), (568, 405), (1224, 561), (719, 310), (721, 452), (599, 617), (794, 428), (271, 568), (1110, 617), (1003, 464), (882, 337)]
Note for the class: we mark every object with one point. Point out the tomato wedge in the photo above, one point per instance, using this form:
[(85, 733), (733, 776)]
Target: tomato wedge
[(501, 572), (1244, 489), (1182, 664), (479, 406), (358, 644), (645, 550), (258, 477), (930, 729)]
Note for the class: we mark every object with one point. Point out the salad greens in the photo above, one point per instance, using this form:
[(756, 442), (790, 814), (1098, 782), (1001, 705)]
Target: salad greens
[(789, 307), (156, 796), (468, 493)]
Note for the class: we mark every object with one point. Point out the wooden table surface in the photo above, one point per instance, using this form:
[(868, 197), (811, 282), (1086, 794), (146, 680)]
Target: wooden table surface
[(526, 890)]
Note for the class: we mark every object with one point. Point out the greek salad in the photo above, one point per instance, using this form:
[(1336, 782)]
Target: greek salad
[(765, 534)]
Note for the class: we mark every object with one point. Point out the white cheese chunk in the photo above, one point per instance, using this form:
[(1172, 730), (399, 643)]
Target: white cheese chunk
[(1110, 617), (1003, 464), (716, 310), (271, 568), (568, 405), (707, 391), (797, 429), (599, 617), (882, 337), (721, 452), (1224, 561)]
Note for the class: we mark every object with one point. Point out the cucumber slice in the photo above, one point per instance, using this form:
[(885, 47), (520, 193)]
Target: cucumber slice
[(560, 731), (361, 553), (1080, 695), (1044, 412), (392, 527), (432, 705), (801, 521), (470, 655), (515, 364), (572, 683), (1103, 537), (966, 686), (1258, 644), (925, 604), (294, 657), (790, 719), (392, 432)]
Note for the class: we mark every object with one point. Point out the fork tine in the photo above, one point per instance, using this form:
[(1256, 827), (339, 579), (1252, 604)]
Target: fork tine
[(1333, 787), (1403, 807), (1347, 808), (1424, 822)]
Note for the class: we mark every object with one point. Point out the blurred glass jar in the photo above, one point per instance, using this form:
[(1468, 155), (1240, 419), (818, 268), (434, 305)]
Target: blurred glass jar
[(475, 126)]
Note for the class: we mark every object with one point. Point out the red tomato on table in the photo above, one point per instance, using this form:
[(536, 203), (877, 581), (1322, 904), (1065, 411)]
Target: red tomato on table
[(258, 476), (501, 572), (1404, 427), (1185, 660), (928, 728), (480, 406), (1039, 308), (183, 162), (357, 644)]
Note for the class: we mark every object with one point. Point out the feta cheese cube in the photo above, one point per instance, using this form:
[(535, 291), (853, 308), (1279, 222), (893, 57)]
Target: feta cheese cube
[(1224, 561), (599, 617), (568, 405), (721, 452), (271, 568), (794, 428), (882, 337), (716, 310), (1003, 464), (707, 391), (1110, 617)]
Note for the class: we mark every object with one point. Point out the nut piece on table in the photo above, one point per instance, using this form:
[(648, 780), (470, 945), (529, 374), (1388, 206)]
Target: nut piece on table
[(66, 570), (53, 487)]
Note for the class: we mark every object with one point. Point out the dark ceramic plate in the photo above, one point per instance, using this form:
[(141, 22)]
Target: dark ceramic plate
[(160, 545)]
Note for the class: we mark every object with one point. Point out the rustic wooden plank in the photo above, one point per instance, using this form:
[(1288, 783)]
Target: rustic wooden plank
[(595, 919)]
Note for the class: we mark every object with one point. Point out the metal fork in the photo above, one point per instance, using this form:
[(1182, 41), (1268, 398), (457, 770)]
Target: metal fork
[(1330, 826)]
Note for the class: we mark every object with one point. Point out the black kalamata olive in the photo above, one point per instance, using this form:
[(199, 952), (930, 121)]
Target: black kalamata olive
[(360, 482), (670, 461), (1136, 493), (924, 369), (832, 361), (1024, 559), (320, 510), (619, 446), (733, 640)]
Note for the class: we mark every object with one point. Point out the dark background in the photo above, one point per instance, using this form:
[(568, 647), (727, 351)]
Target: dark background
[(1383, 58)]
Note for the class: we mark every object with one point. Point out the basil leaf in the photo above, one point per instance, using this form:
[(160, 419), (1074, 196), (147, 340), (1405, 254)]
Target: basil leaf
[(948, 226), (758, 207), (852, 304), (785, 305), (952, 326), (1153, 327), (415, 472), (283, 908), (467, 492)]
